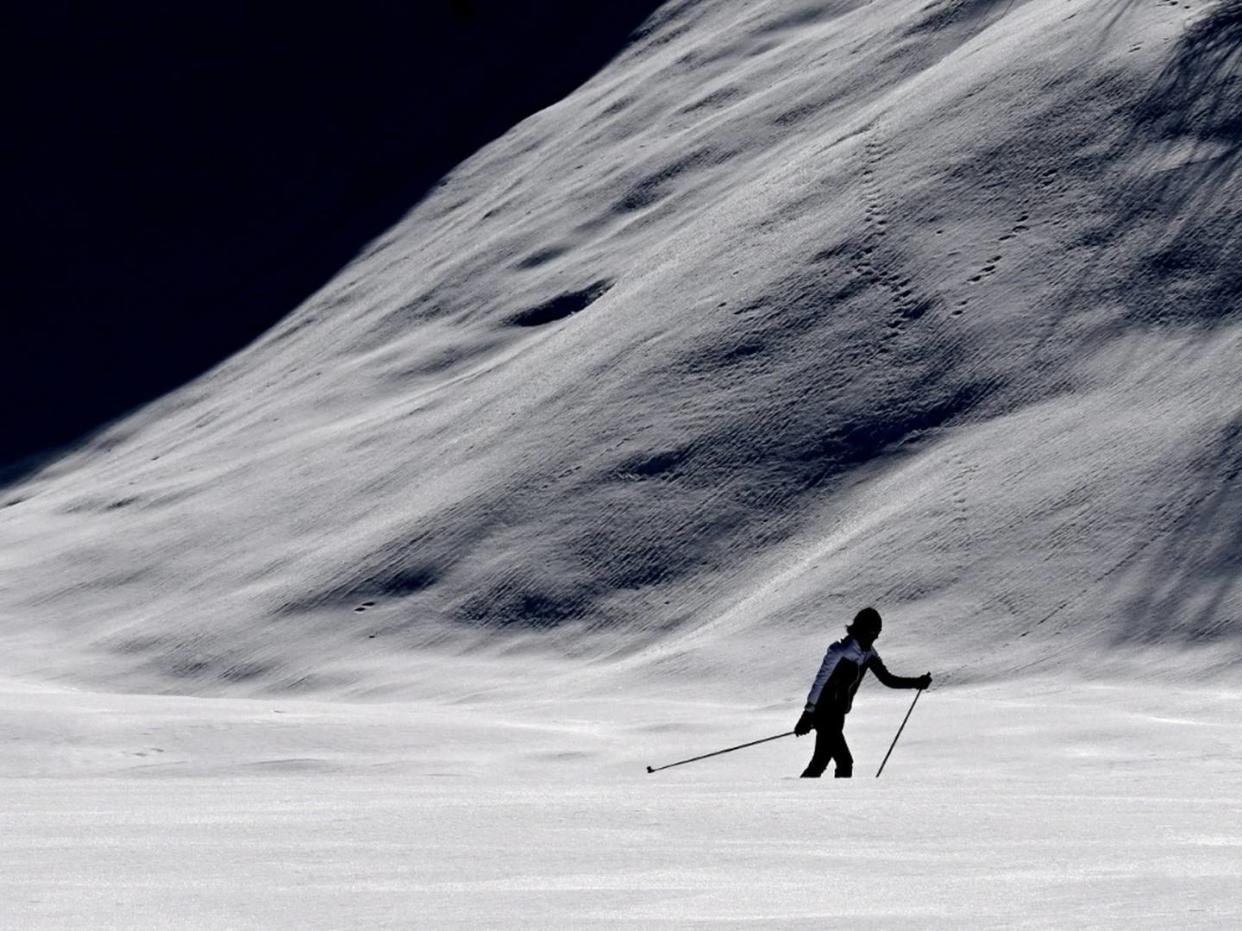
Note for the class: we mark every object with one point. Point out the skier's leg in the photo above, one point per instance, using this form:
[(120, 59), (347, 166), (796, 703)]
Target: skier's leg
[(841, 753), (822, 754)]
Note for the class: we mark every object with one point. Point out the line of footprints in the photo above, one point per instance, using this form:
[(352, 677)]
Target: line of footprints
[(988, 269), (901, 293)]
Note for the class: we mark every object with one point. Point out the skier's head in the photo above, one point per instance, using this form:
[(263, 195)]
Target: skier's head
[(865, 627)]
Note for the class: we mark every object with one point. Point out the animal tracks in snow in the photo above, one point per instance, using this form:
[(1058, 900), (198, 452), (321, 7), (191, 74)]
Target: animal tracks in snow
[(876, 260), (869, 260), (993, 261)]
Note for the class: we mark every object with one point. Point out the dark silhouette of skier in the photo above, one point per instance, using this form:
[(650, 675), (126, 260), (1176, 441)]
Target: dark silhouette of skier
[(832, 693)]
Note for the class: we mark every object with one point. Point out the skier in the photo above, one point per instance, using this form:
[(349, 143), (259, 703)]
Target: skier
[(832, 694)]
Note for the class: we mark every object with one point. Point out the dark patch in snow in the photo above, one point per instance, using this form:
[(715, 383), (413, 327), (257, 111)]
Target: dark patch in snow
[(714, 100), (1199, 92), (405, 581), (561, 306), (651, 466), (1199, 549), (541, 257), (917, 308), (942, 14), (742, 350), (865, 436), (617, 106), (656, 186), (523, 603), (809, 15), (404, 576), (399, 581), (186, 662), (1160, 269)]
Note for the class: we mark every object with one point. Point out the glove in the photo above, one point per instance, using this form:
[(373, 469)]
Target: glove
[(924, 680), (804, 725)]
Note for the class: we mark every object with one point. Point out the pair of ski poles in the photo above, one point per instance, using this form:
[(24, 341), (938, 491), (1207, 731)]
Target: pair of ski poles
[(764, 740)]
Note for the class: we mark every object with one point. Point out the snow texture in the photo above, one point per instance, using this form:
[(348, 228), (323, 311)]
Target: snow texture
[(793, 308)]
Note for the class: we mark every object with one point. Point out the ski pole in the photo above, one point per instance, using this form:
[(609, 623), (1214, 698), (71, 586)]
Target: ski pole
[(718, 752), (899, 730)]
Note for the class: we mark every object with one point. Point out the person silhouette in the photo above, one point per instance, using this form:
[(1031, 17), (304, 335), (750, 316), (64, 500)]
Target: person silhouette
[(832, 693)]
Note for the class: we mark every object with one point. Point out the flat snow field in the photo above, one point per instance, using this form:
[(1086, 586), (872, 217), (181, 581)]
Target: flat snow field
[(1036, 804)]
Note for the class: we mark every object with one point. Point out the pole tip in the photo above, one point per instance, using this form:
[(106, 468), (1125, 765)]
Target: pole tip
[(650, 770)]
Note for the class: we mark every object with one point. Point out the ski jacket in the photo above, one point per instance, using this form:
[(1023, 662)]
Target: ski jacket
[(842, 671)]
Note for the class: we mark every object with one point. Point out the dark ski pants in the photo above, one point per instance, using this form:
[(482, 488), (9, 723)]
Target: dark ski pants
[(830, 745)]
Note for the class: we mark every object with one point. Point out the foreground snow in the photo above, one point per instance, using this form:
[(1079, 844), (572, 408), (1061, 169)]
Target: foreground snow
[(1035, 805)]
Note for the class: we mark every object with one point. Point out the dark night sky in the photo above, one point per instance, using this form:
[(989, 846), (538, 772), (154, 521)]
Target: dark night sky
[(186, 174)]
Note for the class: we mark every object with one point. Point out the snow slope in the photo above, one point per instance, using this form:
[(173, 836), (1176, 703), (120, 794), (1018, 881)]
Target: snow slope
[(794, 307)]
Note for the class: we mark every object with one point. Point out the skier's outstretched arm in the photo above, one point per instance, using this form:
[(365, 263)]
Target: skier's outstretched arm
[(876, 665)]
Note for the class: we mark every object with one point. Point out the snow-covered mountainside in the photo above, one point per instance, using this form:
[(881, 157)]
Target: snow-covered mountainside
[(795, 307)]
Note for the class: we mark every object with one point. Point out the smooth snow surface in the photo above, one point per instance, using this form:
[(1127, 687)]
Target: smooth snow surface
[(793, 308), (1029, 806)]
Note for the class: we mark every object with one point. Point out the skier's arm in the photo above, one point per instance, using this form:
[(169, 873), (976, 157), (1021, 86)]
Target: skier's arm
[(876, 665)]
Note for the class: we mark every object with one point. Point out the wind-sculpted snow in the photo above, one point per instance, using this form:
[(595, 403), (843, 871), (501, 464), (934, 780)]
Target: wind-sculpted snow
[(793, 308)]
